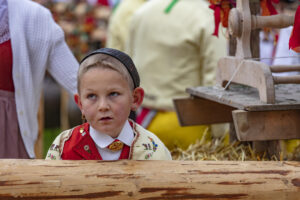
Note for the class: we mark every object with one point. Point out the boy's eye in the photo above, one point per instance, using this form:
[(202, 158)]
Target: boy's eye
[(114, 94), (91, 96)]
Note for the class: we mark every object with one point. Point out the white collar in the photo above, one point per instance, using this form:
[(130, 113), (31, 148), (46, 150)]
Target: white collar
[(102, 140)]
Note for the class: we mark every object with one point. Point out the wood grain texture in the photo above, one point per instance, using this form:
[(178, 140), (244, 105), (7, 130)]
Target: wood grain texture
[(267, 125), (199, 111), (246, 98), (40, 179), (247, 72)]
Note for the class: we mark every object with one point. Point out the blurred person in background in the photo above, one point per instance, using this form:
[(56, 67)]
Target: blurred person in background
[(172, 44), (30, 43), (274, 43), (119, 22), (283, 55)]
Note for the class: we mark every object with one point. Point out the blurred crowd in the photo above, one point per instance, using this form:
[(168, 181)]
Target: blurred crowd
[(84, 22)]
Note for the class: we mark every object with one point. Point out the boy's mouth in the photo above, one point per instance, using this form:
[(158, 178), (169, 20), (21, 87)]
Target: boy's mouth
[(105, 118)]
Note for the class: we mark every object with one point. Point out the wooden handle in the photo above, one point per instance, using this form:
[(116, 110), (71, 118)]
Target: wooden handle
[(285, 68), (286, 79), (274, 21)]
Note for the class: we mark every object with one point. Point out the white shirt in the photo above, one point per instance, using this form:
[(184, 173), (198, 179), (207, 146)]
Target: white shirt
[(102, 140)]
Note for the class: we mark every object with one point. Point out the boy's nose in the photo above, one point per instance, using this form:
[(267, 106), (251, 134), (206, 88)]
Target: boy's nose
[(103, 105)]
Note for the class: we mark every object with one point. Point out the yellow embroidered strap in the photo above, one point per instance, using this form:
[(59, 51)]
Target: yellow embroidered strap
[(116, 145)]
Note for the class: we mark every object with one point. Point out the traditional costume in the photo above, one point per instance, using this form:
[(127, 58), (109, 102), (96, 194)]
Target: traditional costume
[(79, 144)]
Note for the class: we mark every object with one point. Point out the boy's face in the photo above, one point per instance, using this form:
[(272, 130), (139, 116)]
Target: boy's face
[(106, 100)]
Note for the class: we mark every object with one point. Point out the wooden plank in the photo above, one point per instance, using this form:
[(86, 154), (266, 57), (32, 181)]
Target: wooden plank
[(125, 179), (199, 111), (268, 125), (246, 98)]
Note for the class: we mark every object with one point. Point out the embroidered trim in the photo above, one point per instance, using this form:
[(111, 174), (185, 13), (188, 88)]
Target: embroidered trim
[(153, 144), (54, 147), (51, 156), (147, 156), (137, 135), (63, 141)]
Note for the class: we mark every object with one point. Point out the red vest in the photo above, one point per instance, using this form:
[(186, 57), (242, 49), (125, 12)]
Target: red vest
[(6, 79), (80, 146)]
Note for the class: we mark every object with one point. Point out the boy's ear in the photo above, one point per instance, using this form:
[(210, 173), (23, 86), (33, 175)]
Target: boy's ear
[(77, 101), (138, 96)]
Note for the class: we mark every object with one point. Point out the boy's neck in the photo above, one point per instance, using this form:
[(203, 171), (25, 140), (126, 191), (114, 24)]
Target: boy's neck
[(101, 139)]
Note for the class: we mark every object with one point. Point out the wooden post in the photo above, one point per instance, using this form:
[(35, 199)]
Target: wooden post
[(124, 179), (254, 38), (271, 147), (38, 148), (255, 51), (64, 102)]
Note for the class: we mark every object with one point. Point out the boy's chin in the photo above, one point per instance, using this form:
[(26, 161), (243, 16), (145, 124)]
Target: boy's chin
[(110, 132)]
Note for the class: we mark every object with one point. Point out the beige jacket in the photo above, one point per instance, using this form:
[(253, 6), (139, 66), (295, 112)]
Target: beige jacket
[(119, 23)]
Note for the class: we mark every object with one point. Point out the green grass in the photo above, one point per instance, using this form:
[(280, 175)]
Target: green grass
[(49, 136)]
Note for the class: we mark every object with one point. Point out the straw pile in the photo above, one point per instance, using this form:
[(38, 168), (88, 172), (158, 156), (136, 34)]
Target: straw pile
[(221, 149)]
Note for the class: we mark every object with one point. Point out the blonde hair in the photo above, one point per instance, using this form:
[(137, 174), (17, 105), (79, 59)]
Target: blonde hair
[(103, 61)]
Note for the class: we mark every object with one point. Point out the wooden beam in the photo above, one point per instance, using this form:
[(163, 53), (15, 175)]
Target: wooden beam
[(40, 179), (267, 125), (199, 111)]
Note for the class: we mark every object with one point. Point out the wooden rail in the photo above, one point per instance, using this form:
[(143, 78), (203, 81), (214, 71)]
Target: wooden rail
[(284, 68), (287, 79), (40, 179)]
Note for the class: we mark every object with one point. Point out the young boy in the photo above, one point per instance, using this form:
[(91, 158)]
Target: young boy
[(108, 89)]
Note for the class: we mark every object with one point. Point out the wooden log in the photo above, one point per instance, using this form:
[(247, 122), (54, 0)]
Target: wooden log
[(39, 179)]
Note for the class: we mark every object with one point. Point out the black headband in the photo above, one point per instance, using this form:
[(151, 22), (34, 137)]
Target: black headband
[(123, 58)]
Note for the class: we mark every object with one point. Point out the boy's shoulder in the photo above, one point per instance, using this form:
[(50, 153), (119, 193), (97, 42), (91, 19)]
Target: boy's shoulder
[(147, 146), (54, 152), (71, 136)]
